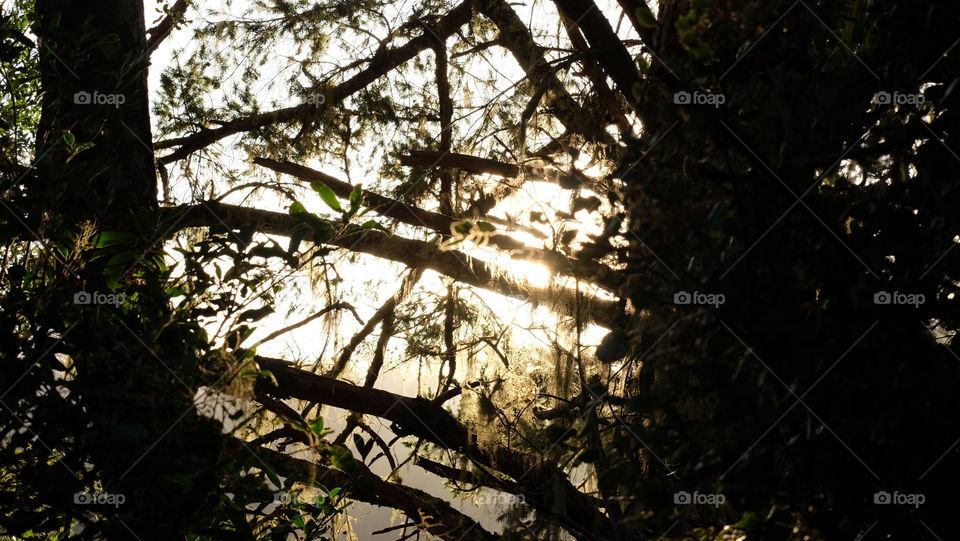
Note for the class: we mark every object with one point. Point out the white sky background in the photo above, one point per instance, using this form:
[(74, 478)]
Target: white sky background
[(372, 280)]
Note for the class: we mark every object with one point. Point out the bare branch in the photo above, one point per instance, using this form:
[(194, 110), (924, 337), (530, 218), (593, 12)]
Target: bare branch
[(308, 319)]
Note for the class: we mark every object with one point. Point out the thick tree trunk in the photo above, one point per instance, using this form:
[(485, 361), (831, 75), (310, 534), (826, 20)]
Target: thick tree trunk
[(139, 441), (96, 90)]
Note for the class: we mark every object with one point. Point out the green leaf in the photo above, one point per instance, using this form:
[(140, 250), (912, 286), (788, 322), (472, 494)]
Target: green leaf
[(356, 199), (317, 426), (109, 238), (486, 227), (69, 139), (255, 314), (461, 228), (297, 208), (327, 195)]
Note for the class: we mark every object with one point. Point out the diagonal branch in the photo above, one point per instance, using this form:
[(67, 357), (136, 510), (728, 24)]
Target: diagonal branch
[(413, 253), (384, 313), (383, 61), (543, 485), (607, 48), (365, 486), (516, 37), (160, 32), (595, 273)]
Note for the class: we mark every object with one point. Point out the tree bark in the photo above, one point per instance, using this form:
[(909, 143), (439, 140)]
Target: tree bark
[(543, 485), (589, 271), (413, 253), (363, 485), (516, 37)]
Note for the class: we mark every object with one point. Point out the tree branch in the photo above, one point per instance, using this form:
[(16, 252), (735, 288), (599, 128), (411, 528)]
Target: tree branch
[(608, 51), (544, 486), (516, 37), (595, 273), (160, 32), (365, 486), (382, 314), (383, 61), (413, 253)]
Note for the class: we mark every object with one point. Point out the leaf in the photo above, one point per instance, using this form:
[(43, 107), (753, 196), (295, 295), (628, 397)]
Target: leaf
[(486, 227), (262, 374), (461, 228), (297, 208), (363, 447), (69, 139), (109, 238), (316, 426), (373, 224), (327, 195), (299, 233), (568, 182), (356, 199), (255, 314), (267, 252)]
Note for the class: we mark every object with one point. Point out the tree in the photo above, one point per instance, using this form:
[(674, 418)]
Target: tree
[(772, 261)]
